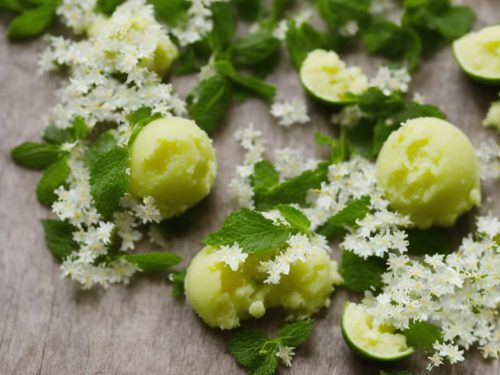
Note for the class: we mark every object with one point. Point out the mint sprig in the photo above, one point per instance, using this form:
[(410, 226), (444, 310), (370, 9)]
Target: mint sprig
[(33, 20), (346, 218), (177, 280), (256, 352), (295, 218), (252, 231), (153, 261), (53, 177), (422, 335)]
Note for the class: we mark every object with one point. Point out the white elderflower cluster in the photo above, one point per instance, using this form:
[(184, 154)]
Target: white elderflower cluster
[(240, 187), (458, 292), (232, 255), (300, 246), (77, 14), (299, 18), (391, 80), (116, 46), (290, 112), (348, 117), (199, 22), (382, 7), (488, 155), (289, 163)]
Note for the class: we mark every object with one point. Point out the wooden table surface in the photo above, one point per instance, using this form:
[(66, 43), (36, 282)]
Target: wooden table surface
[(49, 326)]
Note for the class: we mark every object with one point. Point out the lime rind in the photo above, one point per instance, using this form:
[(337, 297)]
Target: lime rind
[(370, 340), (478, 54)]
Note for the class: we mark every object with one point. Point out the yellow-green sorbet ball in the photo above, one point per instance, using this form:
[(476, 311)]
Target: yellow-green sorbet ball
[(173, 161), (223, 297), (428, 170)]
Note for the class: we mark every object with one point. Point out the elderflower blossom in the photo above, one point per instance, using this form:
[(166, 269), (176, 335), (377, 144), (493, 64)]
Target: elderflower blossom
[(147, 211), (240, 187), (458, 292), (300, 246), (290, 112), (379, 7), (488, 155), (280, 31), (285, 353), (199, 22), (77, 14), (232, 256), (120, 45), (348, 117), (289, 163), (391, 80)]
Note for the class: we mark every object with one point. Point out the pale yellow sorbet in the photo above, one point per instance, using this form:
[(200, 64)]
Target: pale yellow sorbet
[(492, 118), (479, 53), (428, 169), (328, 78), (222, 297), (173, 161)]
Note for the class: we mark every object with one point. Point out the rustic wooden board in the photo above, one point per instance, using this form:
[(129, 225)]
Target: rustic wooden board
[(49, 326)]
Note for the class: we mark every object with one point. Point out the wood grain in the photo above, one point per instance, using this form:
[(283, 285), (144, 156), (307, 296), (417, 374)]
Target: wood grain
[(49, 326)]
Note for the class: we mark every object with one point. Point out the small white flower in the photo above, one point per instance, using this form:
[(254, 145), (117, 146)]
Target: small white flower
[(232, 255), (348, 117), (391, 80), (148, 212), (290, 112), (285, 353), (351, 28)]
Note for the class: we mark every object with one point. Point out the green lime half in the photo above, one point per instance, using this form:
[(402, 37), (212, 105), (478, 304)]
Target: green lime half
[(326, 77), (478, 54), (371, 340)]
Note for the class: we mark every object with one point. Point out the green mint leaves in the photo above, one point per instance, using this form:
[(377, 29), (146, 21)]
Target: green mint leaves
[(361, 274), (177, 280), (295, 218), (33, 20), (252, 231), (59, 238), (53, 177), (428, 242), (109, 180), (257, 353), (36, 155), (153, 261), (270, 192), (254, 48), (422, 335), (208, 101), (346, 218)]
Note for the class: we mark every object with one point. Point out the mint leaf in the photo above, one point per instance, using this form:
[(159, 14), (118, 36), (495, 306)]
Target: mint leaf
[(153, 261), (224, 27), (421, 335), (300, 40), (103, 144), (171, 12), (338, 12), (375, 104), (138, 120), (428, 242), (253, 232), (264, 177), (268, 364), (177, 280), (346, 218), (107, 7), (59, 238), (245, 348), (361, 274), (293, 190), (208, 101), (32, 22), (12, 5), (278, 7), (294, 217), (36, 155), (53, 134), (254, 48), (297, 333), (53, 177), (109, 180), (249, 10), (250, 83), (455, 22), (392, 41)]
